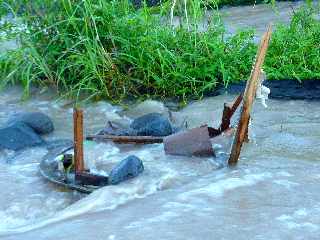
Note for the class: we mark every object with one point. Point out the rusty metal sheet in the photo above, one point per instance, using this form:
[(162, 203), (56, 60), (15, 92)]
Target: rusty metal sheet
[(193, 142)]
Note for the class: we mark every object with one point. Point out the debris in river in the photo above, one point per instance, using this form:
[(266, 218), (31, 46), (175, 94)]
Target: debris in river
[(194, 142), (68, 170), (248, 98), (262, 91), (126, 139), (228, 111), (89, 178), (149, 128)]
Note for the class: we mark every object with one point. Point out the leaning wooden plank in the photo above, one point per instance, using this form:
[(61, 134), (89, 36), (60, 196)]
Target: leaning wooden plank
[(78, 140), (126, 139), (248, 99)]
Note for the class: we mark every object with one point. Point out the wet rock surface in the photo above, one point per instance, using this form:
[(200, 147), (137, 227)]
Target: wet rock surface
[(23, 130), (38, 121), (19, 136), (128, 168), (152, 124)]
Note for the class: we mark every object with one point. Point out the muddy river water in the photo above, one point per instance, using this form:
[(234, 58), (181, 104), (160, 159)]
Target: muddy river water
[(271, 194)]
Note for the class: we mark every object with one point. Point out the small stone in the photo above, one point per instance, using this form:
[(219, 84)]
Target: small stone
[(128, 168)]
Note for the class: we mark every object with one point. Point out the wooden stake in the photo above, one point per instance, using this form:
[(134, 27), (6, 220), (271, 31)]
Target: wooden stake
[(78, 140), (228, 111), (248, 98)]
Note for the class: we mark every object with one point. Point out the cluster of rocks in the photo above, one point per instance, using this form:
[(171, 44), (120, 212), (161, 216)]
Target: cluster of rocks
[(24, 130)]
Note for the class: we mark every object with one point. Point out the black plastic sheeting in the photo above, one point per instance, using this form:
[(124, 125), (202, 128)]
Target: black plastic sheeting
[(281, 89)]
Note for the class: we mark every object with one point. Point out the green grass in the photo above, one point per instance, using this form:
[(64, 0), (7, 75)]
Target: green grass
[(294, 52), (111, 50)]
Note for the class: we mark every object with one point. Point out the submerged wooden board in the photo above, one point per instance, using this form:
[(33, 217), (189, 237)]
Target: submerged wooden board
[(49, 170), (126, 139)]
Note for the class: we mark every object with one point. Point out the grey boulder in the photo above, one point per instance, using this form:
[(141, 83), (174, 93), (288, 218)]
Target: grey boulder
[(38, 121), (19, 136), (152, 124), (128, 168)]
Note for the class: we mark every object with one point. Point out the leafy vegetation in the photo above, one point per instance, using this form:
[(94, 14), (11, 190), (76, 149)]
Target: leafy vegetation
[(110, 49), (294, 52)]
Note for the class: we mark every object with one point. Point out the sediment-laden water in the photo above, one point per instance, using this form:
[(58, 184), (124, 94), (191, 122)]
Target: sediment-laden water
[(271, 194)]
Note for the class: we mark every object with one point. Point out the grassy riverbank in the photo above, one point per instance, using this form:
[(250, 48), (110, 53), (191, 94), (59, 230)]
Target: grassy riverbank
[(110, 49)]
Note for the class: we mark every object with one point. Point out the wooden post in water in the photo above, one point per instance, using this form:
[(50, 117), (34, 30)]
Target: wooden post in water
[(228, 111), (248, 97), (78, 140)]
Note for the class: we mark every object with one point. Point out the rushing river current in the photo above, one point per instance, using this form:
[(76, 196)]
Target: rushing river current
[(271, 194)]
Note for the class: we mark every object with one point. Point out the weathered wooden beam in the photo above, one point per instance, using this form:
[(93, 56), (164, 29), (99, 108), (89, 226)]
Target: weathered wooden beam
[(228, 111), (78, 140), (126, 139), (248, 99), (87, 178)]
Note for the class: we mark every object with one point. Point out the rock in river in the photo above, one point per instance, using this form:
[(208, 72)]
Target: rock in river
[(23, 130), (129, 167), (38, 121), (19, 136), (152, 124)]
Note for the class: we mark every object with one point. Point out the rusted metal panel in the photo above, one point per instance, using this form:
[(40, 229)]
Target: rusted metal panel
[(194, 142)]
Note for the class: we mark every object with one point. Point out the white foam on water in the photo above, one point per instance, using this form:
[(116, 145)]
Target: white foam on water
[(286, 183), (8, 221), (112, 237), (163, 217), (217, 189), (301, 212), (299, 219), (107, 198), (284, 174), (284, 217)]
